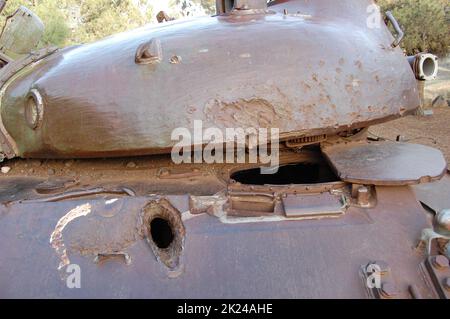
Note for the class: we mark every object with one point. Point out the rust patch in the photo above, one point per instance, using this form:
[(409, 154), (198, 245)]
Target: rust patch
[(56, 238), (111, 227), (163, 211), (254, 112)]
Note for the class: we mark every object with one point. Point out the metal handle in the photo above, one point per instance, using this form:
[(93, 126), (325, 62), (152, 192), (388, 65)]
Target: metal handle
[(398, 30), (101, 258)]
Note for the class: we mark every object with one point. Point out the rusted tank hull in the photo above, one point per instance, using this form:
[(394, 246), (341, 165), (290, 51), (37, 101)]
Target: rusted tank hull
[(305, 74), (232, 239), (295, 259), (149, 228)]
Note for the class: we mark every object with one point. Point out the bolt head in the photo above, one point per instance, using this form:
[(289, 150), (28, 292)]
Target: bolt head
[(440, 262), (363, 196)]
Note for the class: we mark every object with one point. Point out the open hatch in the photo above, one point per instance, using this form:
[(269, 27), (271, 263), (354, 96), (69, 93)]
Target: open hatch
[(386, 163), (307, 188)]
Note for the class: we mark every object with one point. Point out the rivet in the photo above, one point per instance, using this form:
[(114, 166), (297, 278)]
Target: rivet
[(363, 196)]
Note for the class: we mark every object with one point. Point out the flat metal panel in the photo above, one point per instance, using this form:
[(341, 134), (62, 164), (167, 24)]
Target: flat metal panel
[(386, 163), (315, 205), (292, 259)]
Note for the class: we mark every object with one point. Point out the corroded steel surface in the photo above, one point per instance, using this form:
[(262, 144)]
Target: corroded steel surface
[(302, 66), (386, 163), (321, 71), (315, 258), (224, 248)]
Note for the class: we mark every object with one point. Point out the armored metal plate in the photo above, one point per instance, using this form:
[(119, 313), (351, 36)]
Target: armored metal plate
[(325, 204), (386, 163), (259, 81), (217, 261), (435, 195), (438, 275)]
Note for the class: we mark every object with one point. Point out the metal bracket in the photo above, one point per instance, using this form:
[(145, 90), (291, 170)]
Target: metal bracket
[(397, 28), (438, 270), (427, 237), (103, 257)]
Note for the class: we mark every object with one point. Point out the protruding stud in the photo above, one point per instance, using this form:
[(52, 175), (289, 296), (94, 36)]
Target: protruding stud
[(149, 52)]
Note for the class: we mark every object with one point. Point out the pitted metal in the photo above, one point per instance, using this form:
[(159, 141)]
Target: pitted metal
[(152, 229)]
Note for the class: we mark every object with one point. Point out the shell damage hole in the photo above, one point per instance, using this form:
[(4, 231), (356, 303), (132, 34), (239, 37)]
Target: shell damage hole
[(162, 233)]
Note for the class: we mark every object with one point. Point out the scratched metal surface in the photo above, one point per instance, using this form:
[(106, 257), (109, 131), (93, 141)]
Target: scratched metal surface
[(319, 71), (317, 258)]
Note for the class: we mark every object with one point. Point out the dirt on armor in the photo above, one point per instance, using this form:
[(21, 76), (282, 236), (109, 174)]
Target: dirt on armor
[(431, 130)]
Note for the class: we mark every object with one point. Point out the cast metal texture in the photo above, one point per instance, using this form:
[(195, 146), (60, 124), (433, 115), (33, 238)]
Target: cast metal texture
[(306, 67), (319, 72)]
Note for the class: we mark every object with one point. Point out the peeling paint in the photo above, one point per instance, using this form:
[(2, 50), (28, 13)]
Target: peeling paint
[(56, 238), (187, 216), (254, 112)]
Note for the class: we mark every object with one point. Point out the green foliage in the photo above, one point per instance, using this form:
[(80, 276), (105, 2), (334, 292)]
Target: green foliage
[(101, 18), (209, 6), (76, 21), (425, 22), (56, 30)]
